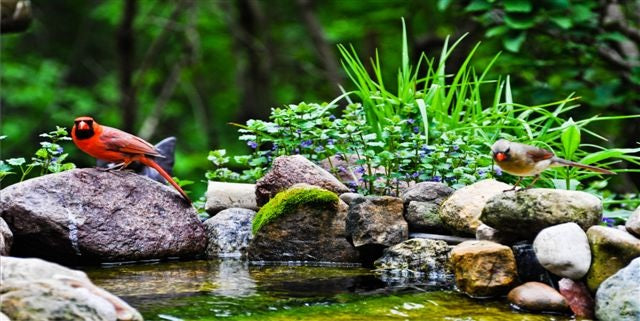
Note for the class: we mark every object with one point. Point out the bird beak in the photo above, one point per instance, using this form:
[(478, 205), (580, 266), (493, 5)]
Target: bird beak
[(500, 156), (82, 125)]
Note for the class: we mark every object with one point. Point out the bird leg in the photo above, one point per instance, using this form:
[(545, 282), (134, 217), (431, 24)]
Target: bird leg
[(514, 186), (535, 178)]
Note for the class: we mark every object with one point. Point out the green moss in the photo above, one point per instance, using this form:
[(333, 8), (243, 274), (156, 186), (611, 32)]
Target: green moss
[(287, 201)]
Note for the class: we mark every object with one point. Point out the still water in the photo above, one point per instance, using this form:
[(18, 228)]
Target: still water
[(234, 290)]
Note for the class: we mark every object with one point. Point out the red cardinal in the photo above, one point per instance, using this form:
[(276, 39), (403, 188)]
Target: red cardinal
[(113, 145)]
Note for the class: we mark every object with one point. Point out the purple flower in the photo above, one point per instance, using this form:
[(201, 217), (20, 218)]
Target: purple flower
[(331, 117), (306, 143), (339, 157), (415, 174), (609, 221), (252, 144), (342, 169), (411, 121), (298, 131), (274, 147), (416, 129), (59, 150), (331, 141), (497, 170), (296, 151), (437, 179), (455, 148), (319, 149), (359, 170)]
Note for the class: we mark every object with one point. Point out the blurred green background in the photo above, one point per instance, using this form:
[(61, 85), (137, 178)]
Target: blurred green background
[(187, 68)]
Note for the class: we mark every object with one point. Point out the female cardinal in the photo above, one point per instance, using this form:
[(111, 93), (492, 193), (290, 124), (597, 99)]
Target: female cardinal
[(526, 160), (114, 145)]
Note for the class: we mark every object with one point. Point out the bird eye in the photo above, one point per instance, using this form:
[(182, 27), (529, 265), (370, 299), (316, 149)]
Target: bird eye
[(507, 151)]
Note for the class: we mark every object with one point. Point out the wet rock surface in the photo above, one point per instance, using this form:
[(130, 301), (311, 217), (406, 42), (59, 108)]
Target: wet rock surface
[(229, 233), (578, 297), (612, 249), (525, 213), (377, 220), (223, 195), (427, 257), (33, 289), (618, 297), (89, 215), (536, 296)]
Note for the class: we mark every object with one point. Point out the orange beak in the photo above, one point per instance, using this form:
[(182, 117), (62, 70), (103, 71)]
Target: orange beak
[(83, 126), (500, 156)]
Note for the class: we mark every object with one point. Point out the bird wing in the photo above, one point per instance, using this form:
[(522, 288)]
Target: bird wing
[(117, 140), (538, 154)]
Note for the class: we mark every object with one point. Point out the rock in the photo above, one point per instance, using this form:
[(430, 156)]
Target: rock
[(222, 195), (429, 192), (529, 268), (423, 217), (536, 296), (229, 233), (485, 232), (633, 223), (6, 238), (424, 256), (449, 239), (612, 249), (483, 268), (302, 224), (461, 211), (348, 197), (376, 220), (33, 289), (89, 215), (578, 297), (564, 250), (618, 298), (527, 212), (289, 170)]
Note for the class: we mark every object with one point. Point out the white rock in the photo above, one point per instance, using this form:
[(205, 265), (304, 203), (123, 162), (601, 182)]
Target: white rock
[(633, 223), (222, 195), (564, 250)]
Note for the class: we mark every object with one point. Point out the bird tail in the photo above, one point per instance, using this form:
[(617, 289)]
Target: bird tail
[(564, 162), (166, 176)]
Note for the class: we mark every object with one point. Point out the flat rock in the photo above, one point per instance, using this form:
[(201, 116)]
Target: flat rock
[(633, 223), (305, 231), (33, 289), (229, 233), (539, 297), (6, 238), (483, 268), (461, 211), (427, 257), (430, 192), (287, 171), (377, 220), (89, 215), (618, 298), (578, 297), (564, 250), (612, 249), (527, 212), (223, 195)]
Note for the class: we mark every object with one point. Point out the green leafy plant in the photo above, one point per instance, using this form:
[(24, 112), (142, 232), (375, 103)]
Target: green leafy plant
[(50, 157)]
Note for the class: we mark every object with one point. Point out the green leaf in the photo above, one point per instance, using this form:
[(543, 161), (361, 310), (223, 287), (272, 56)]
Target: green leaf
[(443, 4), (496, 31), (570, 138), (563, 22), (517, 5), (16, 161), (519, 21), (478, 5), (514, 43)]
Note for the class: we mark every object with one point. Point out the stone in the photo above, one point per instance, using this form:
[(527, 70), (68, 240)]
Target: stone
[(348, 197), (33, 289), (485, 232), (529, 268), (449, 239), (618, 298), (539, 297), (526, 212), (6, 238), (423, 217), (377, 220), (633, 223), (223, 195), (461, 211), (427, 257), (564, 250), (578, 297), (90, 215), (612, 249), (429, 192), (287, 171), (483, 268), (302, 224), (229, 233)]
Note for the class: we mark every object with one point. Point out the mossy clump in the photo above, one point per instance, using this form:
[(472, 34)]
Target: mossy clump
[(287, 201)]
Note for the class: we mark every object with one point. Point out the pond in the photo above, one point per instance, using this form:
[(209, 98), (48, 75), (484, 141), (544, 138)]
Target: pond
[(234, 290)]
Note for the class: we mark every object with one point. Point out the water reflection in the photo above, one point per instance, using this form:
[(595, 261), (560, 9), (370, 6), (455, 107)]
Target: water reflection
[(232, 278)]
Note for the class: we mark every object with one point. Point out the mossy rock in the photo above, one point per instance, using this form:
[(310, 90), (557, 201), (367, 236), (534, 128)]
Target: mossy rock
[(287, 201)]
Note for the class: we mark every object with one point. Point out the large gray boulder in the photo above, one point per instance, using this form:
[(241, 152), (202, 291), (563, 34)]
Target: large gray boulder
[(618, 297), (223, 195), (377, 221), (89, 215), (461, 211), (564, 250), (303, 223), (611, 250), (429, 258), (6, 238), (287, 171), (527, 212), (33, 289), (229, 233)]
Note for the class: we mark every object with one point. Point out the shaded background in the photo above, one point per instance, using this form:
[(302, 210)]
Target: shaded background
[(187, 68)]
